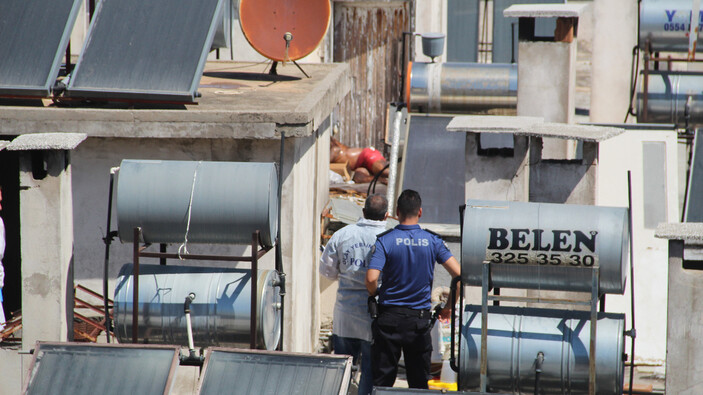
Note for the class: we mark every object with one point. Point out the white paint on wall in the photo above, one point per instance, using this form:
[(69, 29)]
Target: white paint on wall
[(617, 156)]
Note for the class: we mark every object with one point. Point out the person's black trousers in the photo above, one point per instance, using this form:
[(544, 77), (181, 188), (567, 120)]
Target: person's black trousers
[(396, 329)]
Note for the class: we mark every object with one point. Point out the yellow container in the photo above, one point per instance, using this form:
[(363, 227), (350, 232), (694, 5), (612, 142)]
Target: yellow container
[(440, 385)]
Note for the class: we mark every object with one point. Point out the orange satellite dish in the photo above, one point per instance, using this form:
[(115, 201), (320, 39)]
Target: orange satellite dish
[(266, 22)]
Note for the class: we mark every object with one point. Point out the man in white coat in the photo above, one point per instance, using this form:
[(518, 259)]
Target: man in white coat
[(346, 258)]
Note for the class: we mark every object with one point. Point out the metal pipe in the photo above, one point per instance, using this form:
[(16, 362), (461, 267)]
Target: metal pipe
[(189, 325), (135, 288), (460, 87), (539, 360), (633, 331), (254, 287), (671, 97), (393, 170)]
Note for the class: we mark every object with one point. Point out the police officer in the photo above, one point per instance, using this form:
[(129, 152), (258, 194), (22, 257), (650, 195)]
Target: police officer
[(406, 255)]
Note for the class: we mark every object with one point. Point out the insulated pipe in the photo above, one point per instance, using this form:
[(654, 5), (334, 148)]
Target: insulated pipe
[(199, 202), (545, 246), (220, 316), (665, 25), (460, 87), (672, 97), (516, 335), (393, 170)]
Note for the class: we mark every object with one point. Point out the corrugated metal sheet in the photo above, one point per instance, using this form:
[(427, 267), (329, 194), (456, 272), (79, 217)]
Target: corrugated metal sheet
[(433, 165), (462, 30), (146, 50), (73, 368), (503, 36), (228, 371), (368, 36), (33, 37)]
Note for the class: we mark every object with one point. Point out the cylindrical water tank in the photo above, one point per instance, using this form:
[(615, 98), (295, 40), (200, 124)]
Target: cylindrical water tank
[(220, 313), (460, 87), (516, 336), (666, 24), (215, 202), (545, 246), (673, 97)]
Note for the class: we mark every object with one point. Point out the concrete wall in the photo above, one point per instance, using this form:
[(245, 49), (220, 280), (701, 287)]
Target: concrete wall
[(684, 374), (615, 21), (617, 156), (302, 204), (572, 182), (497, 177)]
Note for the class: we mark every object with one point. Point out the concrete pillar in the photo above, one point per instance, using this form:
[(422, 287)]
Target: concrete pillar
[(614, 37), (46, 233), (46, 236), (547, 70)]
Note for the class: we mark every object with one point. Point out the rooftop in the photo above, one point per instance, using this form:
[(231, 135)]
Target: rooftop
[(531, 127), (239, 100), (544, 11), (687, 231)]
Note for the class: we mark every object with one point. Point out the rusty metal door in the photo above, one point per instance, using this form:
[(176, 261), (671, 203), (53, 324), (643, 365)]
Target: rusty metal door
[(368, 35)]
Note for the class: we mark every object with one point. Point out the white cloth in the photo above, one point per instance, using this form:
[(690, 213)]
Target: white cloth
[(346, 258)]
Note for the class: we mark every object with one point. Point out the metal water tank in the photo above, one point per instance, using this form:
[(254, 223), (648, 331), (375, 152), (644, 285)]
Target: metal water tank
[(665, 25), (545, 246), (673, 97), (460, 87), (516, 336), (215, 202), (220, 313)]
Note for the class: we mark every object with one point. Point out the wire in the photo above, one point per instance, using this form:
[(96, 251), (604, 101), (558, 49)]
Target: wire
[(183, 248)]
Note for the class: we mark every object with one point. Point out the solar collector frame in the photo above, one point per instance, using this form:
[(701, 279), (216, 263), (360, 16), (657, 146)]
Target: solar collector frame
[(34, 35), (145, 51)]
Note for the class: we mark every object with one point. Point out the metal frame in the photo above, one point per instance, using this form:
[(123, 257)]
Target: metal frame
[(256, 254), (593, 303)]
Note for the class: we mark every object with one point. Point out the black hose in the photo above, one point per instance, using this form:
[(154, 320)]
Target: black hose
[(279, 252), (635, 67), (452, 297), (375, 180), (106, 265)]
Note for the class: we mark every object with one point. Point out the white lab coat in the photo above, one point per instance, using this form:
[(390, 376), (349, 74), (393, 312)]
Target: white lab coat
[(346, 257)]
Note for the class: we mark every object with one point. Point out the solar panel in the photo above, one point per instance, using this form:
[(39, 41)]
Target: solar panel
[(33, 37), (79, 368), (228, 371), (140, 50), (434, 165)]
